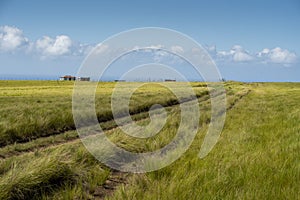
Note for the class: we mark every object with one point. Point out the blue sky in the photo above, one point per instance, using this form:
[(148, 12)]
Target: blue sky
[(249, 40)]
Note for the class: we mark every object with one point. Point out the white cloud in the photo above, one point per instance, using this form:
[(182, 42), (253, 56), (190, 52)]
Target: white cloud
[(236, 48), (211, 49), (177, 49), (148, 49), (103, 50), (159, 56), (61, 45), (277, 55), (263, 52), (242, 57), (238, 54), (11, 39), (223, 53), (84, 49), (158, 46), (159, 53)]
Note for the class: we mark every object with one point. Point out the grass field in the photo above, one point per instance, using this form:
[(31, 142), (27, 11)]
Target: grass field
[(256, 157), (32, 109)]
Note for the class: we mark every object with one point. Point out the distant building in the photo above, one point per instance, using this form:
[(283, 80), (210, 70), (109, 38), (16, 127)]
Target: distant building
[(119, 80), (83, 78), (170, 80), (67, 78)]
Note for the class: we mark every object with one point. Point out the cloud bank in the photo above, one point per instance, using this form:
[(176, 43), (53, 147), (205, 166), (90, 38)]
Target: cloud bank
[(237, 54), (12, 40)]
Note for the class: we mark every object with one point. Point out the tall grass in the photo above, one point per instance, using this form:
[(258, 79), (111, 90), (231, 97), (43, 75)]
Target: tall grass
[(257, 156), (44, 173), (32, 109)]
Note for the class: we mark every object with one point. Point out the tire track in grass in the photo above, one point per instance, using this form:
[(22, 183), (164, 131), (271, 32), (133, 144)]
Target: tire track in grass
[(117, 178), (114, 180), (62, 138), (103, 118)]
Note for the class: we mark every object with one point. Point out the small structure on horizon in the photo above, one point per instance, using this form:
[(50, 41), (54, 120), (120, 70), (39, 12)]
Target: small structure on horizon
[(83, 78), (119, 80), (67, 78), (170, 80)]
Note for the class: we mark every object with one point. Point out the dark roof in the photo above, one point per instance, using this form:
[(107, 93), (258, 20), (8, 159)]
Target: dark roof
[(67, 76)]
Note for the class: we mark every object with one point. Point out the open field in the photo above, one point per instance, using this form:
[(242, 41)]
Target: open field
[(256, 157), (32, 109)]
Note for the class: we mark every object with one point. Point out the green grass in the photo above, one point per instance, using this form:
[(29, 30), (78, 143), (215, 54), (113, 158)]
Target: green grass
[(41, 173), (256, 157), (32, 109)]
